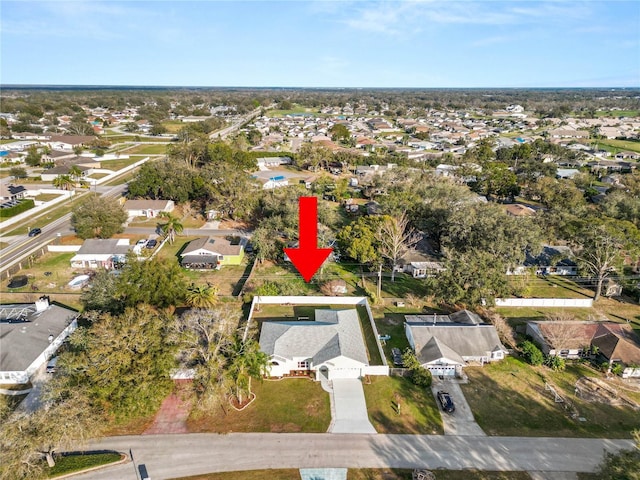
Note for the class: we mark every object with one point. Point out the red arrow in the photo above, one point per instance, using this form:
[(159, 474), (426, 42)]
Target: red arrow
[(308, 258)]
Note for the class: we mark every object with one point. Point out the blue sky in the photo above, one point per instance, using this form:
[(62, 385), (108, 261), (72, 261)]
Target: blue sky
[(321, 44)]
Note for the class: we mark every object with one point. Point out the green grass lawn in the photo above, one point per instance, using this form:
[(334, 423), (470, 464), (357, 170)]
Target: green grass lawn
[(419, 413), (118, 164), (392, 324), (75, 463), (154, 149), (509, 398), (289, 405), (621, 144), (551, 286), (46, 197), (173, 126)]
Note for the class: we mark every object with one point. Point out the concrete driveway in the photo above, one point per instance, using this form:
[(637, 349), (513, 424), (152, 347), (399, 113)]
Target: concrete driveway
[(460, 422), (349, 408)]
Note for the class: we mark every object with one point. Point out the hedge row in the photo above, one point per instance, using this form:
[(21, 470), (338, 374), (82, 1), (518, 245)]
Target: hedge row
[(23, 206)]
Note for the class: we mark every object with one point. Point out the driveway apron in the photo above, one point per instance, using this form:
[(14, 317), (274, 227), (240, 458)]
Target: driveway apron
[(350, 408), (460, 422)]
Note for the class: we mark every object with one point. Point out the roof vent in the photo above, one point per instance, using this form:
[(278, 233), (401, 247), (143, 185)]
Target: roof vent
[(42, 303)]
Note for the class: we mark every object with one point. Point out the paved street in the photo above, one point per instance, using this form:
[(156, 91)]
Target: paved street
[(170, 456)]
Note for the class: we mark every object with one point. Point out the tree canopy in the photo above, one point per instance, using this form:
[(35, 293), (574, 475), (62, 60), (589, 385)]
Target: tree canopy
[(98, 217)]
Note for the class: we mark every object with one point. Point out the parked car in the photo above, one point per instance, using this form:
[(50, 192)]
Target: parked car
[(396, 354), (34, 231), (151, 244), (445, 402), (141, 243)]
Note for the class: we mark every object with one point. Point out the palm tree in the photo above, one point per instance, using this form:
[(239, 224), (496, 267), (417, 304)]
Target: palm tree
[(202, 296), (63, 182), (171, 227), (75, 173), (246, 362)]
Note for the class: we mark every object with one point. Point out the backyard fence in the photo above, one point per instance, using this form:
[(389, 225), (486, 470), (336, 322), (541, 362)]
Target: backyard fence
[(544, 302)]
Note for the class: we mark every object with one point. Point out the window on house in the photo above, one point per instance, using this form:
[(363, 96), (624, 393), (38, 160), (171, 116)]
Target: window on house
[(303, 365)]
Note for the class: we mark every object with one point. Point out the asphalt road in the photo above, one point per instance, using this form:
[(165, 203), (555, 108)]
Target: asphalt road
[(178, 455), (22, 248)]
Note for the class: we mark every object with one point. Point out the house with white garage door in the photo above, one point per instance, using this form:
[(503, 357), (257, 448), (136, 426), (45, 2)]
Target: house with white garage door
[(331, 346), (445, 344)]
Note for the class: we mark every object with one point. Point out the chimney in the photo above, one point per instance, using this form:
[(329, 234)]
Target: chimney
[(42, 304)]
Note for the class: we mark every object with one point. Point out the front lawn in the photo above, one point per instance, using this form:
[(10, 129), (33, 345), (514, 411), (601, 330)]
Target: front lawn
[(289, 405), (419, 413), (154, 149), (509, 398)]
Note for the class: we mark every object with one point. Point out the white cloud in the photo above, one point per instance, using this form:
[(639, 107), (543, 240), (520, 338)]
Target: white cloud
[(410, 16)]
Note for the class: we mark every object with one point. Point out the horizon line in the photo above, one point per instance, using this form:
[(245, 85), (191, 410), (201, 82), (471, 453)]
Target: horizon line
[(96, 86)]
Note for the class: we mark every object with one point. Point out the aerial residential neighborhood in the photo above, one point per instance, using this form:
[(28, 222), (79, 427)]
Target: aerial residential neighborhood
[(454, 281), (320, 240)]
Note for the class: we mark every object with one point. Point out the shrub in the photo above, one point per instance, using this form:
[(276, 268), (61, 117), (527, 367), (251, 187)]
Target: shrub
[(617, 369), (418, 375), (555, 363), (531, 353), (23, 206)]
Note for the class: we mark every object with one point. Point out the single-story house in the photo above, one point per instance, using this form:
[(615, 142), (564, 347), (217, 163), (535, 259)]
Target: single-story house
[(566, 173), (332, 346), (67, 142), (552, 260), (50, 174), (272, 161), (30, 334), (97, 253), (618, 343), (423, 269), (614, 342), (444, 344), (11, 192), (148, 208), (213, 252), (567, 339), (56, 155)]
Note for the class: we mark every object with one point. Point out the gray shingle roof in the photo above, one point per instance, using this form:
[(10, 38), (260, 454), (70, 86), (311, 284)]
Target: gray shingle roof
[(463, 340), (435, 349), (22, 342), (95, 246), (334, 333)]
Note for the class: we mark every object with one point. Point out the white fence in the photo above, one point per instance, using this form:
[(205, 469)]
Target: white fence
[(545, 302), (63, 248), (322, 300), (374, 370)]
